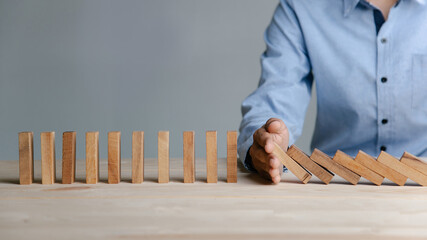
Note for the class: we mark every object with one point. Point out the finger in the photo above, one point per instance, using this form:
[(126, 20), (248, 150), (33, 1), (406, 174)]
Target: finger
[(263, 138), (276, 179), (275, 125), (274, 172), (274, 163)]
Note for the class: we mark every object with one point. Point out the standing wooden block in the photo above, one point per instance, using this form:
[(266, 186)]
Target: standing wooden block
[(26, 158), (114, 156), (137, 157), (325, 161), (414, 162), (92, 157), (293, 166), (348, 162), (189, 157), (211, 157), (402, 168), (380, 168), (231, 156), (163, 156), (47, 142), (68, 157), (301, 158)]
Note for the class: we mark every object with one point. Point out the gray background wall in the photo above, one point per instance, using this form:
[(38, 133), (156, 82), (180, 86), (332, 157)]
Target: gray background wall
[(129, 65)]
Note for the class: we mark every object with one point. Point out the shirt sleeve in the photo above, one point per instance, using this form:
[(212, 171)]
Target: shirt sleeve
[(284, 88)]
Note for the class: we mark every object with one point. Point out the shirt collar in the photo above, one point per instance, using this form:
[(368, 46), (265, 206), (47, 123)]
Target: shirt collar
[(350, 5)]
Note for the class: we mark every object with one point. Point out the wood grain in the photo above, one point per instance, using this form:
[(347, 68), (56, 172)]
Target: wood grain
[(114, 157), (414, 162), (231, 156), (402, 168), (371, 163), (92, 157), (189, 157), (47, 142), (138, 157), (26, 158), (68, 157), (291, 165), (324, 160), (211, 157), (163, 156)]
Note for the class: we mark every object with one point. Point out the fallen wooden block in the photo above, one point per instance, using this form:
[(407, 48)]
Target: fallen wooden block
[(163, 156), (188, 157), (231, 156), (290, 164), (325, 161), (137, 157), (68, 157), (114, 157), (211, 157), (414, 162), (402, 168), (300, 157), (47, 142), (26, 158), (370, 162), (92, 157)]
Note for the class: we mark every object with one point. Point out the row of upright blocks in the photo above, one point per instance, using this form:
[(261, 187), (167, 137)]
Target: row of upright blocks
[(47, 142)]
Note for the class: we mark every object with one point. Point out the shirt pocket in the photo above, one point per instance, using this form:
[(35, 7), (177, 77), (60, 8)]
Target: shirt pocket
[(419, 82)]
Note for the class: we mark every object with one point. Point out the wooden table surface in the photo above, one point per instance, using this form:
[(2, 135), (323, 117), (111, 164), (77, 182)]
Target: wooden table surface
[(249, 209)]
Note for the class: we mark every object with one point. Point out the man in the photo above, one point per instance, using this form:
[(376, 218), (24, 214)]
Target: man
[(369, 61)]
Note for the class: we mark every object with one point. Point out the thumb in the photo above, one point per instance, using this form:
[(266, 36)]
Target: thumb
[(275, 126)]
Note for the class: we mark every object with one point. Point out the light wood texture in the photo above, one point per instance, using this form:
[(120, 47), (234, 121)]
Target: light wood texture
[(300, 157), (324, 160), (291, 165), (189, 157), (348, 162), (402, 168), (371, 163), (92, 157), (47, 142), (211, 157), (114, 157), (163, 156), (68, 157), (138, 157), (231, 156), (26, 158), (414, 162)]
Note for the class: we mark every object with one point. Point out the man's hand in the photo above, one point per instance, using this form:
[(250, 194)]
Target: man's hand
[(274, 130)]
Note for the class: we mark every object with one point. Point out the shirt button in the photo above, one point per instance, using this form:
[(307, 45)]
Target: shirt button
[(383, 79), (383, 40), (383, 148), (384, 121)]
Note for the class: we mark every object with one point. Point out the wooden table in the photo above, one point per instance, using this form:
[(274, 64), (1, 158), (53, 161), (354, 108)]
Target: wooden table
[(250, 209)]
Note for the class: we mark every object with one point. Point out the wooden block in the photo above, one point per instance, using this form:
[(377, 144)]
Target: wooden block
[(348, 162), (402, 168), (189, 157), (47, 142), (26, 157), (414, 162), (92, 157), (232, 157), (68, 157), (325, 161), (380, 168), (211, 157), (163, 156), (137, 157), (114, 157), (289, 163), (300, 157)]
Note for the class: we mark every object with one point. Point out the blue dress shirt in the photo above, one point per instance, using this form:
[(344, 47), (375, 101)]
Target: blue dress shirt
[(371, 76)]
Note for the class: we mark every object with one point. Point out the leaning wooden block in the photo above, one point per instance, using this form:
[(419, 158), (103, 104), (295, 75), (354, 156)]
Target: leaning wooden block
[(189, 157), (26, 157), (137, 157), (300, 157), (163, 156), (114, 157), (348, 162), (414, 162), (92, 157), (231, 156), (47, 142), (289, 163), (370, 162), (211, 157), (68, 157), (325, 161), (402, 168)]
